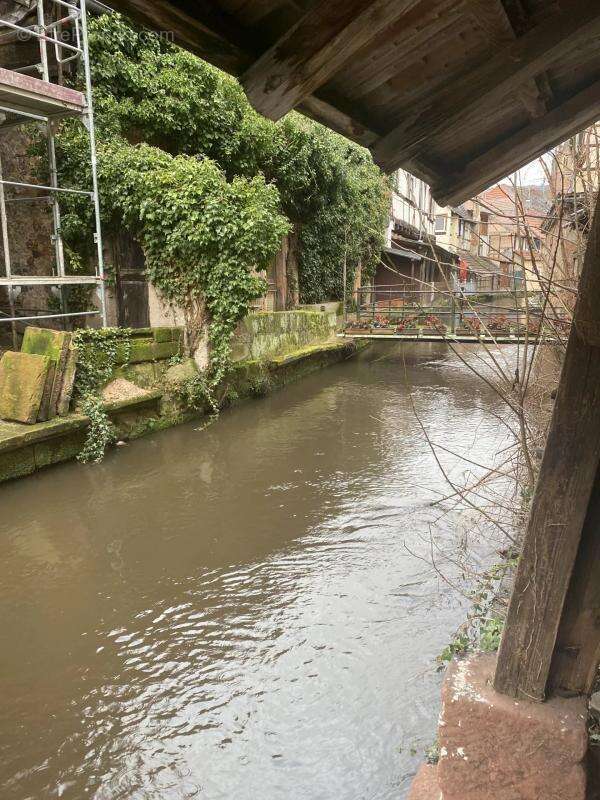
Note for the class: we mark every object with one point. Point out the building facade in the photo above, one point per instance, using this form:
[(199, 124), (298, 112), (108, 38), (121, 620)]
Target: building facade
[(574, 179)]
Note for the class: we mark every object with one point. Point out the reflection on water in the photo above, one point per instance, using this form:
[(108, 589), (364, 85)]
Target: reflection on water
[(243, 611)]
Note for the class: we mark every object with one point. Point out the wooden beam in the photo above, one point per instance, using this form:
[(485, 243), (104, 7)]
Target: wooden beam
[(577, 651), (198, 28), (337, 120), (404, 43), (207, 38), (315, 49), (560, 502), (528, 143), (496, 22), (526, 57)]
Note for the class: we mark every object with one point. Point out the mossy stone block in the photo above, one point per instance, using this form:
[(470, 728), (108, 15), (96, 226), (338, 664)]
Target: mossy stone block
[(144, 374), (17, 463), (54, 451), (55, 345), (142, 349), (164, 334), (185, 371), (22, 383), (45, 342), (166, 349), (68, 381)]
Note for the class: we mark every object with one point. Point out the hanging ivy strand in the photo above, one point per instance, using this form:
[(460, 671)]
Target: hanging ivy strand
[(98, 353)]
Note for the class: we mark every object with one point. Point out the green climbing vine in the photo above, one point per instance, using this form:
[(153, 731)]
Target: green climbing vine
[(209, 188), (155, 102), (99, 351)]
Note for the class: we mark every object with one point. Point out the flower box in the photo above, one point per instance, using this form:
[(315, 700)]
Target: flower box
[(408, 331), (440, 330), (383, 331), (355, 331)]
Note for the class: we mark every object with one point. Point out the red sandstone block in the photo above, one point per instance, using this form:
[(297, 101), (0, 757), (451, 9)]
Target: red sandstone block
[(425, 785), (495, 748)]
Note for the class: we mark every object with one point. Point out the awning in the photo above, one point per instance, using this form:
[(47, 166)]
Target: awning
[(400, 252)]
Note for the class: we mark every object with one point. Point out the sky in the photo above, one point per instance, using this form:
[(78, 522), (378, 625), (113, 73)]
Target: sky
[(531, 174)]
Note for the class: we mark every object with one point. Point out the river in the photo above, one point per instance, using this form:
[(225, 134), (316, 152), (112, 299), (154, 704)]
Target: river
[(247, 610)]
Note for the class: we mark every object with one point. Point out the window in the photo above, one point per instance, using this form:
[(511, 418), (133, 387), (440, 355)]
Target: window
[(440, 223)]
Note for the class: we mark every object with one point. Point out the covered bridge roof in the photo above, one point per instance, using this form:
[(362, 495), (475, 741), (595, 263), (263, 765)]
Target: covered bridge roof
[(459, 92)]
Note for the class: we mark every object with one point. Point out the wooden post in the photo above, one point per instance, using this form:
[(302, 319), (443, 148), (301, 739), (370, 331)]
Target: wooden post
[(577, 650), (553, 540)]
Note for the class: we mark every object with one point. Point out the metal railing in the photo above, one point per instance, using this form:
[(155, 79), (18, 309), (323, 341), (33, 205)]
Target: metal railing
[(439, 308)]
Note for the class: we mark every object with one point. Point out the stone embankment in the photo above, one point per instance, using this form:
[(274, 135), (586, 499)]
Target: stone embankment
[(145, 391)]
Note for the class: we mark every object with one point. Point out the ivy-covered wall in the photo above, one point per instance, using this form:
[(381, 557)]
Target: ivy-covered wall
[(209, 187)]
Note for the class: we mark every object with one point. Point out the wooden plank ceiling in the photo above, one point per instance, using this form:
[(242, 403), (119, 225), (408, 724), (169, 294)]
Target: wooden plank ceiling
[(460, 92)]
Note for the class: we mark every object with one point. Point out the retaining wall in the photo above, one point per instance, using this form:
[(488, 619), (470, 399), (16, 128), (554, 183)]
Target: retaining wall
[(267, 334), (153, 398)]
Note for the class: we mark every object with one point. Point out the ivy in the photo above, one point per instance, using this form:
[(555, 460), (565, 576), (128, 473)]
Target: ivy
[(208, 187), (98, 353), (149, 91)]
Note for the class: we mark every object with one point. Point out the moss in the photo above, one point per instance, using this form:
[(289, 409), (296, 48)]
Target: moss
[(17, 463), (184, 371), (45, 342), (145, 349), (62, 448), (23, 379), (166, 334), (149, 350), (14, 435), (146, 374), (265, 334)]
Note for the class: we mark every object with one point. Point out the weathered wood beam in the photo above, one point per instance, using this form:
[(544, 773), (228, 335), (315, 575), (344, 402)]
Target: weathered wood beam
[(560, 503), (577, 651), (403, 45), (494, 19), (528, 56), (199, 28), (314, 49), (207, 37), (528, 143), (337, 120)]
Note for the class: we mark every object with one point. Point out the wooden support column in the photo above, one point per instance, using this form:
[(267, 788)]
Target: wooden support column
[(577, 650), (566, 496)]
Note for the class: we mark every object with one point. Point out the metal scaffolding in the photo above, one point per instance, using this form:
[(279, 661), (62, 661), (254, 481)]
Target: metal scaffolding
[(61, 34)]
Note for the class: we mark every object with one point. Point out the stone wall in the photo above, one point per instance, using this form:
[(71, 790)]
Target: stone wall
[(145, 395), (264, 335), (29, 223)]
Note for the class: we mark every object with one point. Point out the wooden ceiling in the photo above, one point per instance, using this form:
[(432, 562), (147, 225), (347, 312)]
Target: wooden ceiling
[(459, 92)]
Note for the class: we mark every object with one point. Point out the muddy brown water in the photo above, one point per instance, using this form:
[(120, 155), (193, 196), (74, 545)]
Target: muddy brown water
[(245, 611)]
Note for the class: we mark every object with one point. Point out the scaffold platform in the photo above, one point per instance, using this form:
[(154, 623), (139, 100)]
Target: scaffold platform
[(26, 95)]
